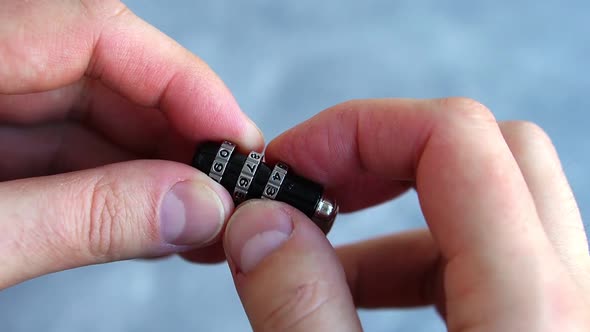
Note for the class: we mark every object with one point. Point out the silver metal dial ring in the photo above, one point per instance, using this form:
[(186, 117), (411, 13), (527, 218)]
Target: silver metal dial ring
[(221, 159), (246, 176), (275, 181)]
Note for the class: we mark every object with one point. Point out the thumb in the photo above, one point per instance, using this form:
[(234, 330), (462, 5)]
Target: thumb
[(286, 272), (120, 211)]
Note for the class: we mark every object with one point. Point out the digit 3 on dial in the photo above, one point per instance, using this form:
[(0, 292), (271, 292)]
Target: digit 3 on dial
[(248, 176)]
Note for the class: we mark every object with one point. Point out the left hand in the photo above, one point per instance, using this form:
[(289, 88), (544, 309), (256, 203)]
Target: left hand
[(87, 83)]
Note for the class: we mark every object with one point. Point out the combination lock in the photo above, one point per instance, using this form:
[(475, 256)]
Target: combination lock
[(248, 176)]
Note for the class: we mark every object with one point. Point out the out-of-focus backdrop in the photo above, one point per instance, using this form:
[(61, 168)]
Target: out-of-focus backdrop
[(286, 61)]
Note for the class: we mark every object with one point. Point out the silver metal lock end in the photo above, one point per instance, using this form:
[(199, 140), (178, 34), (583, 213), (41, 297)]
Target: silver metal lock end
[(325, 213)]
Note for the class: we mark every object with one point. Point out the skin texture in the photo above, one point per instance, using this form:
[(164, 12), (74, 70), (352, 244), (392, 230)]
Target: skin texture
[(82, 93), (86, 100), (505, 249)]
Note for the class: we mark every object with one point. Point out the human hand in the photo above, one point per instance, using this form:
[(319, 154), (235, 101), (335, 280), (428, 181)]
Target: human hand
[(84, 84), (505, 250)]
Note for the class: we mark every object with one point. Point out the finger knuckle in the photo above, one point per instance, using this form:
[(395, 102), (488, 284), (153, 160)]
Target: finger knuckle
[(467, 109), (300, 304), (107, 213)]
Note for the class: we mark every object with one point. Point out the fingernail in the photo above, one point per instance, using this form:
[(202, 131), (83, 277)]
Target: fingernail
[(191, 214), (256, 230), (253, 137)]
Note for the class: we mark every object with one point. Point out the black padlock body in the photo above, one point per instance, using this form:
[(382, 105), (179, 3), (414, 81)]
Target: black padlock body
[(295, 190), (300, 193)]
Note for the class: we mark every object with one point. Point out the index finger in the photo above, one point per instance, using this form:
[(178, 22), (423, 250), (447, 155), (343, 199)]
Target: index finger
[(471, 190), (106, 41)]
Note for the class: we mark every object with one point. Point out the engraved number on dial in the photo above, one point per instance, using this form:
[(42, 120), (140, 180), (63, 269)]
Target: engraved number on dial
[(221, 160), (271, 191), (246, 176), (223, 153), (275, 181), (277, 177), (244, 182), (251, 167)]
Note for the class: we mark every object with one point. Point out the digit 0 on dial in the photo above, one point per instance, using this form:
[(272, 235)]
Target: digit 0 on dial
[(248, 176), (221, 159)]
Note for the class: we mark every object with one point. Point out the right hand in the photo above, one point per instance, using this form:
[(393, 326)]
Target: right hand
[(505, 249)]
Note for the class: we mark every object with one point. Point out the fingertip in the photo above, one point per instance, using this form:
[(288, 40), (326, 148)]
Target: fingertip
[(253, 136), (259, 228), (286, 272), (170, 78), (255, 230)]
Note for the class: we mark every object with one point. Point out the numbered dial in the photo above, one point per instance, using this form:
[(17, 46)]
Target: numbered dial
[(221, 159), (275, 181), (246, 176)]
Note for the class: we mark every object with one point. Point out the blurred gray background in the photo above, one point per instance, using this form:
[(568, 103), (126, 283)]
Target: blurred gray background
[(286, 61)]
